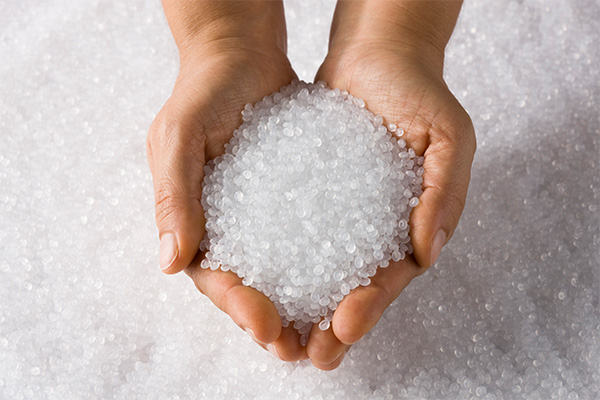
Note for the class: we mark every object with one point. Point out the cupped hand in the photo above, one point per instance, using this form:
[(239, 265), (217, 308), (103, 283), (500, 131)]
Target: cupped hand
[(192, 128), (408, 91)]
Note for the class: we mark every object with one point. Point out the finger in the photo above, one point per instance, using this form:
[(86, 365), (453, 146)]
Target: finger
[(176, 157), (247, 307), (447, 165), (324, 349), (360, 310), (287, 347)]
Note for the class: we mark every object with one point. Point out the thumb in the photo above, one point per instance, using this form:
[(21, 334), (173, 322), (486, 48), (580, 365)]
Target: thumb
[(176, 157), (447, 165)]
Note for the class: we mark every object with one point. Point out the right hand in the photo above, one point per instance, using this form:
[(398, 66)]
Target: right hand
[(193, 126)]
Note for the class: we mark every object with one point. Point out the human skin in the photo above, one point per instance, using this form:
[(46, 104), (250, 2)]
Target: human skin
[(231, 53), (389, 53)]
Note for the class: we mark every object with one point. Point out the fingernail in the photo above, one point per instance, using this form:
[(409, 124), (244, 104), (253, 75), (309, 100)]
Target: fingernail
[(168, 250), (436, 245), (252, 335), (273, 350)]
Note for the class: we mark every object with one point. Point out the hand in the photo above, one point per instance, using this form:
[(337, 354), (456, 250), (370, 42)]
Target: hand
[(217, 78), (403, 84)]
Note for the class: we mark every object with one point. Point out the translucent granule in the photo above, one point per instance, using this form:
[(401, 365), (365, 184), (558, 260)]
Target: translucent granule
[(309, 199)]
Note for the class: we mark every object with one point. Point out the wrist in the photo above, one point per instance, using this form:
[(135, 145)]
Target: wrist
[(220, 27), (230, 50), (413, 53), (417, 31)]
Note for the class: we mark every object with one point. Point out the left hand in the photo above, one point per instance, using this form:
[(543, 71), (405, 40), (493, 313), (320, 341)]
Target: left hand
[(410, 92)]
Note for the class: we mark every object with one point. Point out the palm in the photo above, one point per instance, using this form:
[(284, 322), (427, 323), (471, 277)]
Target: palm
[(217, 90), (403, 93), (227, 65), (416, 100), (209, 100), (228, 95)]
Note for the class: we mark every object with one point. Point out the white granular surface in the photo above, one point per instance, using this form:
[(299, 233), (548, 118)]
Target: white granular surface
[(510, 311), (312, 194)]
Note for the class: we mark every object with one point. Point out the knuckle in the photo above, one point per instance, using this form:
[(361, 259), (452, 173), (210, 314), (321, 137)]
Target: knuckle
[(149, 148), (178, 136), (459, 202), (459, 134), (164, 210), (467, 139), (455, 128), (223, 299), (199, 287), (456, 202), (167, 200), (156, 129), (468, 133), (193, 274)]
